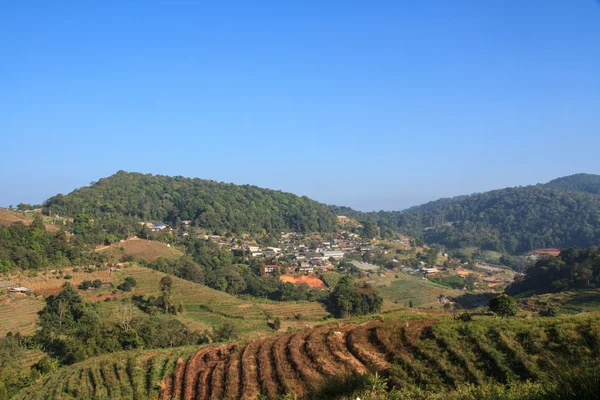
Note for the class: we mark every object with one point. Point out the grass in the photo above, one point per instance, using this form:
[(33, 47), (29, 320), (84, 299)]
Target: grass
[(571, 302), (140, 249), (19, 314), (424, 294)]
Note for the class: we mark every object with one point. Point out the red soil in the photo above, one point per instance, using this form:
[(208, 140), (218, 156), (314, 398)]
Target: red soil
[(310, 280)]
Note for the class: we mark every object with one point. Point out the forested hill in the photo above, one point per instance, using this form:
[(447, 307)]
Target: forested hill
[(212, 205), (575, 268), (588, 183), (513, 220)]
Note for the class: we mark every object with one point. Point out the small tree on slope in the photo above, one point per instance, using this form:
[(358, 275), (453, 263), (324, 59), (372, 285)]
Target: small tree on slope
[(504, 306)]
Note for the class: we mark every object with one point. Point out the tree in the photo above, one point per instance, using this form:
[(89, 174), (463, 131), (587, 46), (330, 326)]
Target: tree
[(276, 324), (164, 300), (504, 306)]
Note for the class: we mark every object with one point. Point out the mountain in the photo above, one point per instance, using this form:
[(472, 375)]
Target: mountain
[(212, 205), (587, 183), (512, 220)]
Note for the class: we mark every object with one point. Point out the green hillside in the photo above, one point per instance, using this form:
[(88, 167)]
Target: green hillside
[(415, 357), (212, 205), (513, 220), (588, 183)]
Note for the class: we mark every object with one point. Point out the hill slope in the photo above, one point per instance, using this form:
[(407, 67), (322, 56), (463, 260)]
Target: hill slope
[(514, 220), (212, 205), (588, 183), (435, 355)]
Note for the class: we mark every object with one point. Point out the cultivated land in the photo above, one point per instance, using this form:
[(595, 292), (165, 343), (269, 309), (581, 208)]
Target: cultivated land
[(9, 217), (19, 314), (140, 249), (203, 307), (398, 292), (426, 350)]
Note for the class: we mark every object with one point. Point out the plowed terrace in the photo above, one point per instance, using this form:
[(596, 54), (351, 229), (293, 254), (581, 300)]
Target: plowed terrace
[(443, 353)]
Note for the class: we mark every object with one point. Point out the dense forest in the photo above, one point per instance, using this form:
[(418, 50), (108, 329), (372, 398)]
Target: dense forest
[(211, 205), (575, 268), (512, 220), (588, 183)]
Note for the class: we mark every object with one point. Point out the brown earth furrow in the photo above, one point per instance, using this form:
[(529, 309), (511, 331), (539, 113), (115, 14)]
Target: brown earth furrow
[(337, 344), (233, 374), (191, 373), (302, 362), (250, 385), (217, 382), (266, 373), (285, 373), (319, 352), (358, 343), (178, 378)]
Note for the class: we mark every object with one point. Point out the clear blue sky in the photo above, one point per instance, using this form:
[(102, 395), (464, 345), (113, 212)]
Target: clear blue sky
[(371, 104)]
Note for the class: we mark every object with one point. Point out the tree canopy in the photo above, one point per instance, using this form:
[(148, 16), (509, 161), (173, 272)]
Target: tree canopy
[(574, 268), (211, 205)]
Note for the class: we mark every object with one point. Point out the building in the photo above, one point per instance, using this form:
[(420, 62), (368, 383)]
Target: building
[(253, 249), (309, 269), (270, 269), (335, 254)]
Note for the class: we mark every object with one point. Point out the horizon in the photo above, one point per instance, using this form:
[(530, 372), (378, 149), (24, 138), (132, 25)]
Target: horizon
[(378, 106)]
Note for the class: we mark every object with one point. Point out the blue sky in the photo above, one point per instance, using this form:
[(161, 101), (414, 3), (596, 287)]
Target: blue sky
[(371, 104)]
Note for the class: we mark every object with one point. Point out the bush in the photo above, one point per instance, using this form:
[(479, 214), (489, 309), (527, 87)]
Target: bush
[(68, 277), (127, 284)]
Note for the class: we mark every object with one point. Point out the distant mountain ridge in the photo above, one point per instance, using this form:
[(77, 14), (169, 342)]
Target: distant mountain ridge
[(588, 183), (212, 205), (562, 213)]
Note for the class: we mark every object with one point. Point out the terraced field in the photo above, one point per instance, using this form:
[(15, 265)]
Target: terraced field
[(19, 315), (141, 249), (429, 353), (205, 307)]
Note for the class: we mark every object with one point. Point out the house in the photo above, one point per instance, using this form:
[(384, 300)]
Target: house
[(20, 289), (335, 254), (253, 249), (309, 269), (274, 249), (187, 222), (269, 269), (256, 254)]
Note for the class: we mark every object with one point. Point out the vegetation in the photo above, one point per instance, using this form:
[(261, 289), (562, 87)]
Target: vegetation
[(211, 205), (400, 357), (349, 300), (511, 220), (504, 306), (574, 268), (587, 183)]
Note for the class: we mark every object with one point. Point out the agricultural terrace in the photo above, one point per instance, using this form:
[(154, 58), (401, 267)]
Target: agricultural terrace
[(430, 352), (19, 314), (399, 292), (141, 249)]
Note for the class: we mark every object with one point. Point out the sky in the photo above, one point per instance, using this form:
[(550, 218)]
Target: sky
[(370, 104)]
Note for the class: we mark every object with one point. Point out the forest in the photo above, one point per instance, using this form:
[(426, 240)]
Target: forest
[(574, 268), (511, 220), (213, 206)]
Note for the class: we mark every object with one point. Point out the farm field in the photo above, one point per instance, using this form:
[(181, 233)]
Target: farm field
[(570, 302), (203, 307), (8, 217), (428, 351), (140, 249), (18, 314), (398, 292)]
